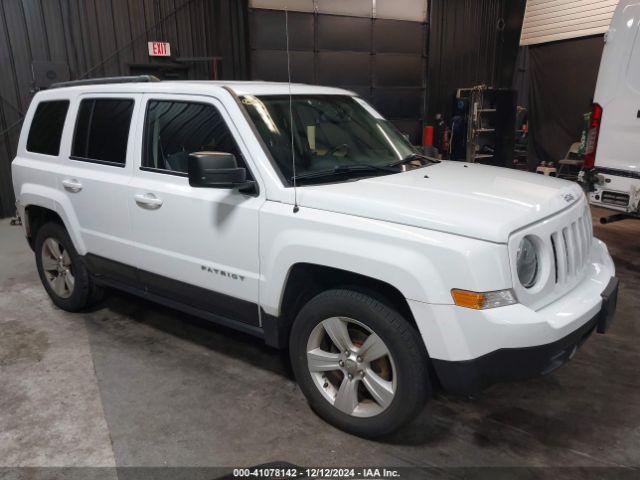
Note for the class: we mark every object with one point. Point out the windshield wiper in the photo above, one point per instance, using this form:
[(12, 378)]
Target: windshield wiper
[(346, 169), (414, 156)]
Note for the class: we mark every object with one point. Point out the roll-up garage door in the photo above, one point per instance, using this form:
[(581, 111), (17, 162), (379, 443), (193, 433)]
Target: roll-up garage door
[(376, 48), (551, 20)]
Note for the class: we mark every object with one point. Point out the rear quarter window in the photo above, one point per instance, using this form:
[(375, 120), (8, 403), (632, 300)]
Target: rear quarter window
[(46, 127)]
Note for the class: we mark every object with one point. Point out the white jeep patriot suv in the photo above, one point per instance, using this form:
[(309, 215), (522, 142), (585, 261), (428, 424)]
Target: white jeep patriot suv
[(300, 215)]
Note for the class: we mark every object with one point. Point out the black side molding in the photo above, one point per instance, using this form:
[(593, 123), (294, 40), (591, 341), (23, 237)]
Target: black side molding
[(200, 302)]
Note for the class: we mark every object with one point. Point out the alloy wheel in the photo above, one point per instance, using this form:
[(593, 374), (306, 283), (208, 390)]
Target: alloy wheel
[(56, 264), (351, 366)]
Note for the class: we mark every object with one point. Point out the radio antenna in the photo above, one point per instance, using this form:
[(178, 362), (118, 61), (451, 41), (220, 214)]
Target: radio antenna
[(296, 208)]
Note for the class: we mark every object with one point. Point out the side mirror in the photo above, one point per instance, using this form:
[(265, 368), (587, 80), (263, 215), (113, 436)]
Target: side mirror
[(215, 170)]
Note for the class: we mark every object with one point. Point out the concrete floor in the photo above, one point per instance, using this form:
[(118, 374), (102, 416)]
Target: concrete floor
[(135, 384)]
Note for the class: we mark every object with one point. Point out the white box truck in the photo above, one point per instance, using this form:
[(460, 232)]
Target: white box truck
[(611, 170)]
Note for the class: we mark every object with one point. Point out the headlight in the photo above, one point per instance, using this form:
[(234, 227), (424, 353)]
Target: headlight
[(527, 262)]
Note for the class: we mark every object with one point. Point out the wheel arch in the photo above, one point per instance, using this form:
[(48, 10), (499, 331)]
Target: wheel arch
[(42, 203), (35, 216), (305, 280)]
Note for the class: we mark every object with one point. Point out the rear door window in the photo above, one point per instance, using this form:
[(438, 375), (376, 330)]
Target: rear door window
[(102, 130), (46, 127)]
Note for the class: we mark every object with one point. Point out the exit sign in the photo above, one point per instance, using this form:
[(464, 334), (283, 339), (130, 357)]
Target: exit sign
[(159, 49)]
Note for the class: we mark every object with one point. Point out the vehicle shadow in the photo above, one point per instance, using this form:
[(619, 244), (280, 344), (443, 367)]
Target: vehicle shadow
[(214, 337)]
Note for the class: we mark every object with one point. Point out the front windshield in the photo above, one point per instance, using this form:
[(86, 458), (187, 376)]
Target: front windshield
[(330, 132)]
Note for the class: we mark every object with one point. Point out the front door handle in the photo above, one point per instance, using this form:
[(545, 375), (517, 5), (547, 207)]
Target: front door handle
[(148, 201), (71, 185)]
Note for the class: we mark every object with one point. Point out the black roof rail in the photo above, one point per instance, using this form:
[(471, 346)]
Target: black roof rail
[(106, 80)]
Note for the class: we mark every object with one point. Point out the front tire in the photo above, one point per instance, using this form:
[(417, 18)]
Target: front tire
[(62, 272), (360, 364)]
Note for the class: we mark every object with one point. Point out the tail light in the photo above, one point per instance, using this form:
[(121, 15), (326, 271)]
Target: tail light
[(592, 136)]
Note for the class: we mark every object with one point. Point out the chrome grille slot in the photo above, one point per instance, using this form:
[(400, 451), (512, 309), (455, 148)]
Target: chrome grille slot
[(584, 239), (570, 246), (555, 255), (581, 238), (560, 256), (577, 246), (588, 228)]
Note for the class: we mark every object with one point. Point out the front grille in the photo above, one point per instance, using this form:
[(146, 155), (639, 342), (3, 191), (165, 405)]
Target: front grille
[(571, 245), (615, 198)]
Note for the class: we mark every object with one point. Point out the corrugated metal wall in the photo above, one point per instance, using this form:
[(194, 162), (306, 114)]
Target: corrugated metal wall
[(97, 38), (551, 20), (471, 42), (559, 97)]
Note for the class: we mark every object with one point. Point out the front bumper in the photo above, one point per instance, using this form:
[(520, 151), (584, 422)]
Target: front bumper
[(510, 364), (471, 349)]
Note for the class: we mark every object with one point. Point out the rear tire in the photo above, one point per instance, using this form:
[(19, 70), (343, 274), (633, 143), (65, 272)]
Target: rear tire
[(62, 271), (360, 364)]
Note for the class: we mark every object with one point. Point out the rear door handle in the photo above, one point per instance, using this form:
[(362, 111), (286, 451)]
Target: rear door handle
[(71, 185), (148, 201)]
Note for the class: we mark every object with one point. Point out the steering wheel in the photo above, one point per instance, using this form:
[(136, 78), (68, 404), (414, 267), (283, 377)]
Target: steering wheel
[(344, 147)]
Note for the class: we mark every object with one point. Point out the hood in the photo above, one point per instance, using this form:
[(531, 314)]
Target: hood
[(467, 199)]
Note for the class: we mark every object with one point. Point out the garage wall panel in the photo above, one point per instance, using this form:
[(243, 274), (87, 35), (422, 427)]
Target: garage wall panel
[(363, 92), (398, 102), (399, 36), (20, 47), (34, 22), (53, 19), (344, 33), (9, 116), (552, 20), (271, 66), (344, 69), (398, 70), (107, 37), (408, 127), (268, 30)]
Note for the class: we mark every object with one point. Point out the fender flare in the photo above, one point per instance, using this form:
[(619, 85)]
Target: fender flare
[(54, 200), (404, 274)]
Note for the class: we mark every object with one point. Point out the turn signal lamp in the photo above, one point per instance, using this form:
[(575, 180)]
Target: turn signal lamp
[(483, 300)]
